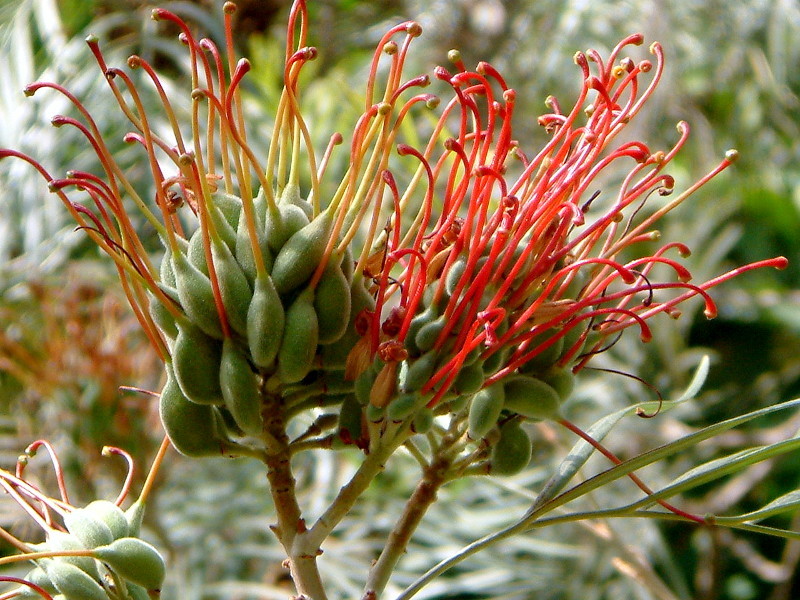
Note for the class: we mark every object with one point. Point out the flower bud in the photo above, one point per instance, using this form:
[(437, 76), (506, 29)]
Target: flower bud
[(195, 363), (484, 410), (300, 336), (265, 323), (240, 388), (531, 397), (301, 254), (332, 303), (196, 296), (191, 427), (512, 452), (88, 529), (134, 560), (110, 514), (73, 583)]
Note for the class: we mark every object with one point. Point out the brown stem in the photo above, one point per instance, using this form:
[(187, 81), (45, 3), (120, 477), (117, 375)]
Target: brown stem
[(290, 525), (434, 476)]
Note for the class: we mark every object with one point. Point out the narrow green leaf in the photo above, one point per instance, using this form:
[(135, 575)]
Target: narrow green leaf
[(582, 450), (787, 502)]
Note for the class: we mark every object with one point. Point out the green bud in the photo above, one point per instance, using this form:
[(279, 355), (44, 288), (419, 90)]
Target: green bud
[(265, 323), (134, 560), (512, 452), (301, 254), (427, 334), (405, 405), (290, 196), (423, 421), (244, 249), (59, 540), (332, 302), (226, 229), (334, 355), (350, 416), (88, 529), (282, 223), (531, 397), (229, 206), (196, 296), (72, 582), (469, 379), (195, 363), (240, 388), (415, 373), (161, 315), (233, 286), (36, 576), (561, 380), (545, 359), (300, 337), (484, 410), (196, 253), (191, 427), (110, 514)]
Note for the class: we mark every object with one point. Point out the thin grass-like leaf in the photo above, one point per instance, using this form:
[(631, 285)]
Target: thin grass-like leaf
[(582, 450)]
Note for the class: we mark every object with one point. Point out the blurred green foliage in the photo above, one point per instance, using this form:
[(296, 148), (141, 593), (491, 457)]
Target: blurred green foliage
[(731, 73)]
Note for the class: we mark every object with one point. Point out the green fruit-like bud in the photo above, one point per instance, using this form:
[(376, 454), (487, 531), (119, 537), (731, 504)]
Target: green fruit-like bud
[(348, 264), (405, 405), (300, 337), (196, 253), (134, 560), (531, 397), (195, 362), (136, 592), (423, 421), (334, 356), (226, 230), (496, 361), (454, 275), (363, 385), (39, 577), (484, 410), (416, 373), (191, 427), (244, 250), (544, 359), (350, 416), (428, 333), (59, 540), (282, 223), (160, 315), (561, 380), (469, 379), (72, 582), (165, 271), (134, 516), (301, 254), (240, 388), (265, 323), (110, 514), (229, 206), (290, 196), (88, 529), (196, 296), (332, 303), (512, 452), (233, 286)]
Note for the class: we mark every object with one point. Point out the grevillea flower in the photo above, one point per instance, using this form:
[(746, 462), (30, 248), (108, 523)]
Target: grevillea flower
[(466, 274)]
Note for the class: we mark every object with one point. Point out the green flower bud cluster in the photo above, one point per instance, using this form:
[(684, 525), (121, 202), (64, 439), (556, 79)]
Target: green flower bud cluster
[(118, 564), (280, 325)]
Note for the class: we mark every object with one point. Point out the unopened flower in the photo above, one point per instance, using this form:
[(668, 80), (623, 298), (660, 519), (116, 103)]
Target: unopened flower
[(467, 274)]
